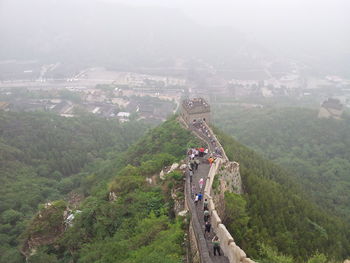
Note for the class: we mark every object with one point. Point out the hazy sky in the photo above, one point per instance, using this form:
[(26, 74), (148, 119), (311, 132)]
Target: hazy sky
[(326, 22), (318, 20), (298, 29)]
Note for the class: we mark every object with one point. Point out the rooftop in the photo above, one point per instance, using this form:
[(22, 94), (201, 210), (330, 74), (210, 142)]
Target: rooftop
[(123, 114), (332, 104), (196, 105)]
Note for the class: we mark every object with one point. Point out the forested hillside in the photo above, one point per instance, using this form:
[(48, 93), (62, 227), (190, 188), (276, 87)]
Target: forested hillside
[(276, 217), (44, 157), (315, 151), (140, 225), (137, 226), (126, 214)]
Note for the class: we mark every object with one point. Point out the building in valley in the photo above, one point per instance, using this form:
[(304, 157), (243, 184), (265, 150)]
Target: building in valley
[(331, 108)]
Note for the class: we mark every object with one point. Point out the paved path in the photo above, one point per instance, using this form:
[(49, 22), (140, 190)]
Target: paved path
[(202, 172)]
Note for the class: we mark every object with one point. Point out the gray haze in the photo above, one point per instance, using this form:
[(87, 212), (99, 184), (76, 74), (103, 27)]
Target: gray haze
[(155, 33)]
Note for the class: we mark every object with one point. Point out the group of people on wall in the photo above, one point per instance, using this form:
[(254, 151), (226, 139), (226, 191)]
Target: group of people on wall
[(202, 128), (195, 157)]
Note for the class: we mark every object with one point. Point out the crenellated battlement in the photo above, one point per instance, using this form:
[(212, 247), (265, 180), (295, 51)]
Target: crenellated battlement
[(195, 110)]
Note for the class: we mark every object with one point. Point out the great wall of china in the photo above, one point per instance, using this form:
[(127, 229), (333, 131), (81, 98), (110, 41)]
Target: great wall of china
[(231, 250), (192, 111)]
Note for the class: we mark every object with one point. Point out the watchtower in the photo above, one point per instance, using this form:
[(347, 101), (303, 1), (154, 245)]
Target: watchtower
[(194, 110)]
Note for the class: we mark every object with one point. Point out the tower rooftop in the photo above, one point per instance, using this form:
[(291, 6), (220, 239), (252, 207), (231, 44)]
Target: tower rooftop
[(196, 105)]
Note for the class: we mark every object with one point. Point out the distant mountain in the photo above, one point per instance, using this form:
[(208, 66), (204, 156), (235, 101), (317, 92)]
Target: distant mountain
[(118, 36)]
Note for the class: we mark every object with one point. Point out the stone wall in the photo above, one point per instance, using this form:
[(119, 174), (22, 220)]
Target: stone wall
[(198, 242), (189, 118), (195, 258), (231, 177), (234, 253), (230, 174), (229, 181)]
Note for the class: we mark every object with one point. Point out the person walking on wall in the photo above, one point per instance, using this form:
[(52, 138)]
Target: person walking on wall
[(191, 175), (196, 163), (200, 196), (205, 204), (193, 191), (207, 228), (216, 245), (206, 215), (192, 164), (201, 183), (196, 199)]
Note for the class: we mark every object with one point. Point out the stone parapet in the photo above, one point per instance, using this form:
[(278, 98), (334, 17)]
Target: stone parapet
[(215, 220), (196, 234), (224, 156), (234, 253)]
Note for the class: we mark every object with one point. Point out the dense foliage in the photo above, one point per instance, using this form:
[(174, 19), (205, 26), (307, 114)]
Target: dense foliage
[(316, 151), (138, 226), (43, 157), (275, 215)]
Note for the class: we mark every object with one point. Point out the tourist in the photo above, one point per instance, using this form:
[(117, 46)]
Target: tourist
[(193, 191), (196, 199), (196, 152), (192, 164), (189, 152), (205, 204), (206, 215), (196, 163), (192, 155), (201, 183), (207, 227), (210, 160), (201, 152), (216, 245), (200, 196), (191, 175)]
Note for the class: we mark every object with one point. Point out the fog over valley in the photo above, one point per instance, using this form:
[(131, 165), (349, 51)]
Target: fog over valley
[(158, 131)]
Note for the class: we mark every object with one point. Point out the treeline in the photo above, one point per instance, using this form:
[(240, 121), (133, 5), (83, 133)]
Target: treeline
[(139, 225), (275, 216), (44, 157), (316, 151)]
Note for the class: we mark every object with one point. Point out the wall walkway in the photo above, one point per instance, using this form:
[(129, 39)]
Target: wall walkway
[(233, 253)]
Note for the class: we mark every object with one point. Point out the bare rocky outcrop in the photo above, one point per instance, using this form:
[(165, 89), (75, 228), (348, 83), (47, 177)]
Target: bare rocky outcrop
[(231, 177), (177, 191), (46, 227), (162, 175), (74, 200), (173, 167), (112, 196)]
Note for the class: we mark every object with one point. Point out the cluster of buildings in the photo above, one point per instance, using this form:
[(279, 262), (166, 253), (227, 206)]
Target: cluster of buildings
[(290, 84), (104, 101), (141, 80), (113, 94)]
